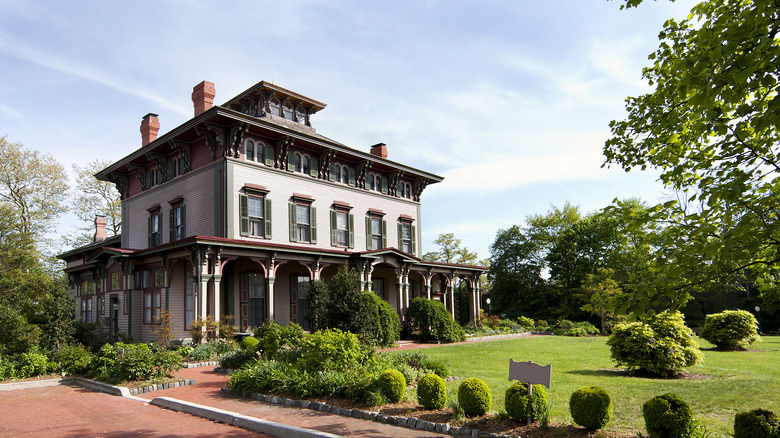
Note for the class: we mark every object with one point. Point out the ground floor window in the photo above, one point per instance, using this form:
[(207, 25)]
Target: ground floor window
[(299, 300), (152, 301), (86, 310), (256, 289), (378, 286)]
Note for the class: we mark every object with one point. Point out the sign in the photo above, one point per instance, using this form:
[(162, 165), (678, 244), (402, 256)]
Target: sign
[(532, 374)]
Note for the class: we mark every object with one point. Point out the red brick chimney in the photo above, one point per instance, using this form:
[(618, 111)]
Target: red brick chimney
[(149, 127), (203, 97), (379, 149), (100, 228)]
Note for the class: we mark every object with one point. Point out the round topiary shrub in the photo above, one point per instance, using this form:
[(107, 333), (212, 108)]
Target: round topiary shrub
[(758, 423), (249, 343), (730, 329), (432, 392), (516, 401), (393, 384), (474, 397), (667, 416), (591, 407)]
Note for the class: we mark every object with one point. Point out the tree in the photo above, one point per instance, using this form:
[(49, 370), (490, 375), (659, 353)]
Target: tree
[(451, 251), (711, 127), (33, 185), (599, 290), (545, 229), (514, 272), (93, 197)]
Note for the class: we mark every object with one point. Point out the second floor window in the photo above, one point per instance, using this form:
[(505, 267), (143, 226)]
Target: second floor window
[(303, 222), (342, 225), (376, 232), (406, 238), (155, 227), (177, 222), (250, 150), (255, 215)]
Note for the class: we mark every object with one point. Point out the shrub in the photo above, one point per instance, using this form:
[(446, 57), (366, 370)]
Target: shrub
[(433, 321), (238, 358), (331, 349), (383, 328), (249, 343), (758, 423), (730, 329), (526, 323), (209, 351), (291, 335), (474, 397), (436, 366), (516, 401), (667, 416), (432, 392), (32, 363), (166, 362), (661, 346), (542, 325), (7, 369), (393, 384), (73, 359), (591, 407), (120, 362)]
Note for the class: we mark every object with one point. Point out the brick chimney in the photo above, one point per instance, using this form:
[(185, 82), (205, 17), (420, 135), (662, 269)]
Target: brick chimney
[(203, 97), (149, 127), (100, 228), (379, 149)]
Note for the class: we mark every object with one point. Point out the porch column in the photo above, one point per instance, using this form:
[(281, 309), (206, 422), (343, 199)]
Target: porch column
[(270, 298), (472, 302), (203, 295), (451, 296), (477, 298), (428, 279), (399, 287), (217, 297)]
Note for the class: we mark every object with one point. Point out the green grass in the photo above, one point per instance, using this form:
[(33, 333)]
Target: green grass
[(727, 382)]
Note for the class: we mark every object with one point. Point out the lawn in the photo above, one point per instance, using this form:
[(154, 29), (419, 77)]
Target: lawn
[(727, 382)]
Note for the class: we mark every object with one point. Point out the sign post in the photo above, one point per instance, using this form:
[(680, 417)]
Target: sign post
[(531, 374)]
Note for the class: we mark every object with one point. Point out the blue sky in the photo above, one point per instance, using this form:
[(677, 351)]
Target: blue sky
[(510, 101)]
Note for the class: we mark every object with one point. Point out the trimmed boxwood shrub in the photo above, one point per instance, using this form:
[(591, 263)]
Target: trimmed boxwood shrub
[(668, 416), (432, 321), (758, 423), (393, 384), (730, 329), (663, 345), (591, 407), (474, 397), (516, 401), (432, 392), (249, 343), (331, 350)]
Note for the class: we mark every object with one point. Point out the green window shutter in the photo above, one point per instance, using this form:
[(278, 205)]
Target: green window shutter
[(414, 243), (171, 227), (269, 155), (352, 177), (313, 222), (384, 185), (400, 236), (267, 218), (183, 222), (243, 214), (149, 232), (384, 233), (351, 231), (290, 161), (332, 172), (313, 167), (368, 233), (293, 223), (333, 221)]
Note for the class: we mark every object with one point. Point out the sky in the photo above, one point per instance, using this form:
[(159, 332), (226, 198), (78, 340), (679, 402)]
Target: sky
[(510, 101)]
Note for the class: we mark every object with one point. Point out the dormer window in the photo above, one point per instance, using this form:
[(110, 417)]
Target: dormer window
[(297, 161), (300, 116), (306, 165), (250, 150), (288, 111), (275, 107)]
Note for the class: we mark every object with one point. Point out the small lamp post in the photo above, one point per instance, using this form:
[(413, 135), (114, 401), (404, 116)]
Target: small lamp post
[(488, 303)]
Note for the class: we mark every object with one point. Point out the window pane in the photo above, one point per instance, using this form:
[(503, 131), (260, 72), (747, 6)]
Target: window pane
[(302, 214), (345, 175), (255, 207)]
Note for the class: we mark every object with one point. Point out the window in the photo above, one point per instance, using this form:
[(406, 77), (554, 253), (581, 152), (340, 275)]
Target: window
[(371, 185), (288, 111), (275, 107), (297, 158), (260, 152), (255, 215), (378, 287), (378, 183), (303, 222), (300, 116), (86, 310), (306, 166), (345, 174), (152, 301), (376, 232), (250, 150), (406, 237), (177, 220), (299, 300), (342, 225), (408, 191), (155, 227), (256, 289), (115, 285), (336, 173), (173, 167)]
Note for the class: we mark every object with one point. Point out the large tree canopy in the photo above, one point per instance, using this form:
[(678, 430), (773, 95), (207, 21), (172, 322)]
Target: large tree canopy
[(91, 198), (712, 128)]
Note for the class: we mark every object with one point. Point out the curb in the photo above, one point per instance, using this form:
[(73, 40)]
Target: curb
[(30, 384), (240, 420)]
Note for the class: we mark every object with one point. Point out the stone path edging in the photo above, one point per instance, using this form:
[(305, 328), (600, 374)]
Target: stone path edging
[(406, 422), (210, 363)]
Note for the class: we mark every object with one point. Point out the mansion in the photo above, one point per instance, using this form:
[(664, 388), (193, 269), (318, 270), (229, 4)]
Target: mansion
[(237, 210)]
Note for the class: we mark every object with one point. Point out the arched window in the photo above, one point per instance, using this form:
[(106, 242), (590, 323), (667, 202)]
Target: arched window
[(337, 173), (288, 111), (260, 152), (297, 162), (306, 166), (408, 191), (345, 174), (300, 115), (276, 107), (371, 182), (250, 150), (378, 183)]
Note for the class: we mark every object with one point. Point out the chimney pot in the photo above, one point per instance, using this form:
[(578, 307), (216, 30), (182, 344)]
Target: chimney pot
[(149, 127), (203, 97), (379, 149), (100, 228)]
